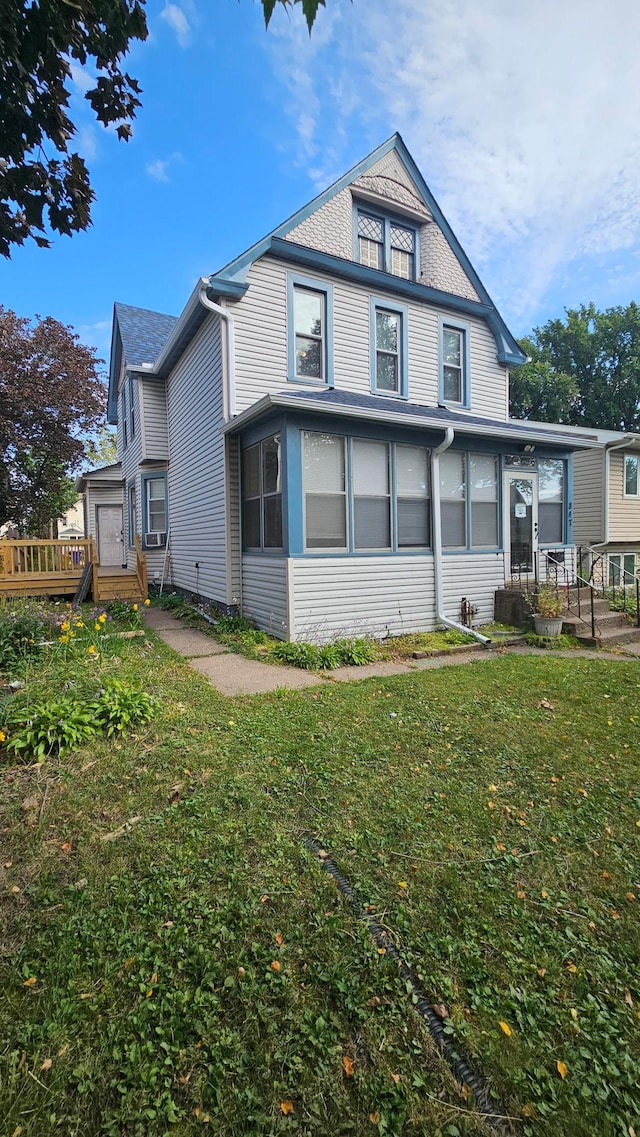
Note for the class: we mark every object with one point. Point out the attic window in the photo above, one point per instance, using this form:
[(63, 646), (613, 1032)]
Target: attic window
[(385, 244)]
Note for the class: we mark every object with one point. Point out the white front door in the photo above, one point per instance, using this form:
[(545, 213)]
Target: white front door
[(110, 544), (520, 524)]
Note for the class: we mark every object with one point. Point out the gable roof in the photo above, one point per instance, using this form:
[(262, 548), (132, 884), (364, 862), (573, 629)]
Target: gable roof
[(143, 333), (235, 272), (138, 337)]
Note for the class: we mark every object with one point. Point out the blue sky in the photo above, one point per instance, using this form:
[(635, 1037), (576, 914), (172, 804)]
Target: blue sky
[(524, 118)]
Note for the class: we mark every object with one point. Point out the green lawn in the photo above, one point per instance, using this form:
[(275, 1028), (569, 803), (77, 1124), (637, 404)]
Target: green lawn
[(200, 973)]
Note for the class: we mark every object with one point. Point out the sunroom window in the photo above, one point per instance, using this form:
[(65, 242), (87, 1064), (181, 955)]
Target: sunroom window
[(325, 491), (551, 479), (371, 495), (413, 504), (262, 495)]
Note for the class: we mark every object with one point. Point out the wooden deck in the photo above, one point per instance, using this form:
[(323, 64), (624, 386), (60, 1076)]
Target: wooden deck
[(34, 567)]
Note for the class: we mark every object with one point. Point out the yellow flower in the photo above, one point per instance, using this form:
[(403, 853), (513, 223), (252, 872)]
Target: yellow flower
[(147, 602), (91, 650), (64, 639), (102, 617), (79, 624), (2, 736), (65, 626), (96, 627), (135, 607)]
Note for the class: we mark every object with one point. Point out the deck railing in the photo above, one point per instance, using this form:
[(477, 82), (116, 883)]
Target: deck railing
[(30, 557)]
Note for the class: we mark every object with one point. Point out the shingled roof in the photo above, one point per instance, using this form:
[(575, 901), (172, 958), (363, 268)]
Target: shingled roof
[(143, 333)]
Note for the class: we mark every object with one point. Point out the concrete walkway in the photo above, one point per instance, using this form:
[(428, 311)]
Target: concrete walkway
[(233, 674)]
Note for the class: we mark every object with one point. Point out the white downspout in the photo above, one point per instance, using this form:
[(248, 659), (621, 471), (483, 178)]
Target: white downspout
[(437, 539), (229, 372)]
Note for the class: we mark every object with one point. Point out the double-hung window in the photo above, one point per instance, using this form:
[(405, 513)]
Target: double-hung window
[(551, 481), (131, 514), (386, 244), (325, 491), (371, 495), (132, 412), (413, 507), (631, 480), (123, 400), (454, 378), (310, 331), (154, 504), (262, 495), (388, 349), (469, 500)]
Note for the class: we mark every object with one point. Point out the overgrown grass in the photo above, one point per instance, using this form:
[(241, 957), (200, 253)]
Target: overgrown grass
[(489, 812)]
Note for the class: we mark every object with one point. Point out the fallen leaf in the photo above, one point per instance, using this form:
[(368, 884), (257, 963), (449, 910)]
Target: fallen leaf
[(276, 965), (630, 895), (30, 981), (528, 1110), (8, 864), (17, 1131), (505, 1028), (29, 803), (348, 1065), (441, 1010), (521, 894), (47, 1064), (286, 1107), (501, 848), (574, 1013), (374, 1117), (154, 977), (279, 938), (542, 971), (546, 704), (572, 968), (395, 1078), (562, 1069), (67, 846), (63, 1049), (15, 890), (241, 973), (86, 995), (627, 997), (168, 924), (264, 899)]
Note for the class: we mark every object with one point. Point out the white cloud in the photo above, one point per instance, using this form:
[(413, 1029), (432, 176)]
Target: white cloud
[(175, 17), (159, 168), (523, 118), (82, 79), (96, 335)]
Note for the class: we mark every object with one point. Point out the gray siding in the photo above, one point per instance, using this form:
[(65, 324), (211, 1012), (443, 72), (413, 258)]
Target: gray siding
[(261, 345), (350, 596), (475, 576), (153, 420), (197, 491), (588, 497), (99, 495), (624, 512), (264, 593)]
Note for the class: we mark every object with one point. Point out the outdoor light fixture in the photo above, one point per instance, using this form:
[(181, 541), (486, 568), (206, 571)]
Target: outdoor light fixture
[(529, 448)]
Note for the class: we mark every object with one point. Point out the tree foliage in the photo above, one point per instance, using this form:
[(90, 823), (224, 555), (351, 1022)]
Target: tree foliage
[(584, 370), (50, 395), (40, 40), (102, 449)]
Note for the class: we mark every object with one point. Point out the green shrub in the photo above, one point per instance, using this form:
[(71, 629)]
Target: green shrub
[(297, 654), (453, 637), (355, 653), (120, 706), (328, 657), (234, 624), (51, 728), (22, 630), (125, 614)]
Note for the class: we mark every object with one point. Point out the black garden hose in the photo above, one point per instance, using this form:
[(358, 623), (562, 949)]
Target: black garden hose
[(458, 1064)]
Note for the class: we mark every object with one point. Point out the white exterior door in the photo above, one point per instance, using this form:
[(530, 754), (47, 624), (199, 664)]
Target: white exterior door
[(110, 544), (520, 523)]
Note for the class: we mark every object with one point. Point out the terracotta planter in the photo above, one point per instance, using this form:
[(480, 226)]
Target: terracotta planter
[(547, 625)]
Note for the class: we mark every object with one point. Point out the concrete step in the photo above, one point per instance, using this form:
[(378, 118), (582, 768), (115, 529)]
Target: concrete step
[(609, 637)]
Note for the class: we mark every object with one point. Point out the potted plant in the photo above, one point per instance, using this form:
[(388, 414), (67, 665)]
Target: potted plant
[(547, 615)]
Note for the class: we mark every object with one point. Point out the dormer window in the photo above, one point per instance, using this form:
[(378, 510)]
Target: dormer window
[(385, 244)]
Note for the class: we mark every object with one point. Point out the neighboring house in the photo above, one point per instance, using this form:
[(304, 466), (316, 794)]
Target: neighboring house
[(102, 498), (606, 503), (71, 526), (322, 439)]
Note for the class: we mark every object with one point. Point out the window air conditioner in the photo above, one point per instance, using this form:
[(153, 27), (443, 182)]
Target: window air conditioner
[(155, 540)]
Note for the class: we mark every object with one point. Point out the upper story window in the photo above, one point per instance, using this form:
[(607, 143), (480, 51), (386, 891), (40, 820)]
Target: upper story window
[(631, 480), (132, 413), (454, 364), (133, 527), (310, 322), (388, 349), (262, 495), (386, 244), (123, 401)]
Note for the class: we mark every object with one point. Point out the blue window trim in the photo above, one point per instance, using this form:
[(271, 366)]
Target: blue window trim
[(131, 531), (315, 285), (152, 476), (403, 376), (388, 219), (458, 326)]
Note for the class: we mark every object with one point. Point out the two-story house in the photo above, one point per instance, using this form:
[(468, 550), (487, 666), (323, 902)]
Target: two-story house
[(322, 437)]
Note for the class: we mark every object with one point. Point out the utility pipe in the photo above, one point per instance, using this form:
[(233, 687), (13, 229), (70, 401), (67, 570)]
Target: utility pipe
[(437, 539), (229, 372)]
